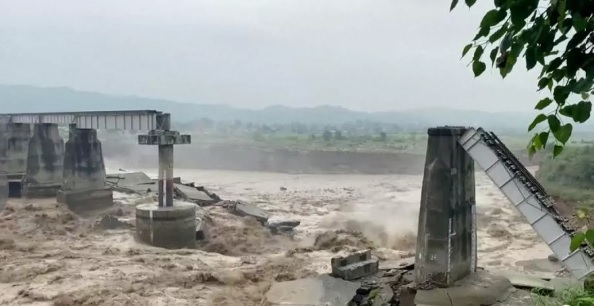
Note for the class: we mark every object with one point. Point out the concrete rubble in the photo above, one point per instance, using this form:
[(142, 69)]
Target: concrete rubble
[(142, 184), (393, 283)]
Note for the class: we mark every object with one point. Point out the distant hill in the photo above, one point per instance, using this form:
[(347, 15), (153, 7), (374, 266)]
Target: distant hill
[(21, 98)]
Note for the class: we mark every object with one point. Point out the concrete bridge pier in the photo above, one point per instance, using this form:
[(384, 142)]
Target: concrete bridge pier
[(83, 188), (446, 239), (45, 160), (166, 224), (16, 140)]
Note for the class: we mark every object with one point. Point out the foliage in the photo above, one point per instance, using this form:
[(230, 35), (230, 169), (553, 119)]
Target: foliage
[(573, 169), (555, 35), (568, 296)]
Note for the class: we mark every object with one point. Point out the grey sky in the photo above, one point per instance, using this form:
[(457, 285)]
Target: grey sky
[(365, 55)]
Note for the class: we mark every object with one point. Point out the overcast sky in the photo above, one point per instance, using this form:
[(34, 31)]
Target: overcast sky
[(365, 55)]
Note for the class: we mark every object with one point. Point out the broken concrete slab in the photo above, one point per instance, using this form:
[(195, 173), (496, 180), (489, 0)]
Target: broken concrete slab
[(540, 265), (478, 289), (403, 264), (129, 179), (527, 281), (244, 209), (288, 223), (279, 227), (193, 194), (132, 182), (319, 290)]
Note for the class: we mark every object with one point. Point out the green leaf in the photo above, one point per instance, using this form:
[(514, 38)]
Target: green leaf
[(478, 68), (542, 104), (575, 61), (577, 39), (560, 94), (579, 23), (483, 32), (509, 65), (470, 3), (478, 52), (542, 83), (536, 142), (540, 118), (554, 64), (558, 74), (493, 17), (557, 150), (564, 133), (531, 150), (585, 95), (466, 49), (576, 240), (520, 10), (590, 236), (498, 34), (582, 111), (530, 58), (543, 138), (554, 123), (453, 5), (493, 55), (506, 42), (567, 110)]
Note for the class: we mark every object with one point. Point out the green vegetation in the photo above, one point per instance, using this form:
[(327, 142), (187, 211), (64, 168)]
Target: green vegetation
[(555, 35), (570, 176), (326, 141), (570, 296)]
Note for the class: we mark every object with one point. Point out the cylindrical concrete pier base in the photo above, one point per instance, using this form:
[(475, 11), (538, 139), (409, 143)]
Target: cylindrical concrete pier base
[(172, 227), (446, 245)]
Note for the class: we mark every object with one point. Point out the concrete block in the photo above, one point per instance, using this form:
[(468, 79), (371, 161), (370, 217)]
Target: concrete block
[(357, 270), (354, 266), (341, 261)]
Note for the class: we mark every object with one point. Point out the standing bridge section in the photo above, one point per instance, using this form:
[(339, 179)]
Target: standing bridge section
[(38, 163)]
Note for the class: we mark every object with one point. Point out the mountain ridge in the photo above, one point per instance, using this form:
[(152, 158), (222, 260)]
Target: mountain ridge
[(26, 98)]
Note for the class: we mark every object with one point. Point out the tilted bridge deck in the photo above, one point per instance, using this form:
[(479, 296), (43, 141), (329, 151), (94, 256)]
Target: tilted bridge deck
[(529, 197)]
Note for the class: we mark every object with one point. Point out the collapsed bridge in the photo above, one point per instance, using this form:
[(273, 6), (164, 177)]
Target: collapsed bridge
[(38, 163), (447, 234)]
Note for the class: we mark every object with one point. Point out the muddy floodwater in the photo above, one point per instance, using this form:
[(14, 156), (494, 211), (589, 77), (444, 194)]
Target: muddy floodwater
[(50, 256)]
